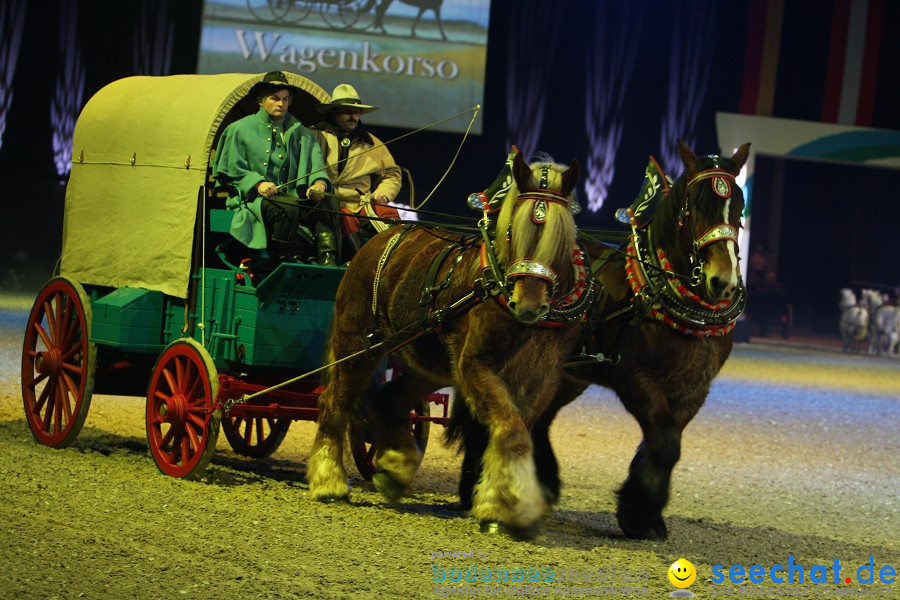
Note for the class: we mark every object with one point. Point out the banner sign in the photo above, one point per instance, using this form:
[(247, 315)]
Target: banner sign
[(417, 63)]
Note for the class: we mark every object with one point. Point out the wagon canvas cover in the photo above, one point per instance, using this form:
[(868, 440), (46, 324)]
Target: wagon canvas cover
[(140, 156)]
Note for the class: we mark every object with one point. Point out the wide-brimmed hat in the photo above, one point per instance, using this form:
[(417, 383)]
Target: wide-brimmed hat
[(274, 80), (345, 96)]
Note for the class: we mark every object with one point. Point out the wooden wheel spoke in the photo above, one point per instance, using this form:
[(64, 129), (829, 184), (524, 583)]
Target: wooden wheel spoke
[(186, 449), (193, 442), (72, 389), (62, 300), (248, 431), (45, 393), (71, 351), (196, 418), (166, 438), (77, 370), (179, 372), (260, 434), (58, 409), (196, 389), (43, 335), (170, 381), (34, 382), (48, 409), (68, 327), (51, 321)]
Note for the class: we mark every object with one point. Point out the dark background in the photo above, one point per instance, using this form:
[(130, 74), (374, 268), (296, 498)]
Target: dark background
[(835, 219)]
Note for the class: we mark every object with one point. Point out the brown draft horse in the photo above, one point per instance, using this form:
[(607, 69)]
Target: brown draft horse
[(414, 278), (659, 339)]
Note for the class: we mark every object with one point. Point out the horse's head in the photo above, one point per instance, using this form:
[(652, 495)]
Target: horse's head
[(711, 204), (848, 299), (536, 235)]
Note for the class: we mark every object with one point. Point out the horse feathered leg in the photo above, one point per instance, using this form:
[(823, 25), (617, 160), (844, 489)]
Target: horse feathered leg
[(398, 457), (472, 438), (662, 417), (348, 382), (645, 492), (507, 491), (325, 470)]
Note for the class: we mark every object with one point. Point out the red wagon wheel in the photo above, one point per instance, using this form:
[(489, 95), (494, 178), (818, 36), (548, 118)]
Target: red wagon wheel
[(182, 423), (256, 437), (58, 362)]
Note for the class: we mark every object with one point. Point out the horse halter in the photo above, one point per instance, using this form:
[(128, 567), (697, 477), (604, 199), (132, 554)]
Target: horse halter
[(721, 181), (539, 197)]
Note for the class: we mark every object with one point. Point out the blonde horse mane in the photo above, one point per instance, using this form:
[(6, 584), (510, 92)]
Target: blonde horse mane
[(559, 226)]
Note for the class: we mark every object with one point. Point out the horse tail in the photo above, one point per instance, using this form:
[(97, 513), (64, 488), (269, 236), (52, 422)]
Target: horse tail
[(461, 421), (328, 356), (471, 437)]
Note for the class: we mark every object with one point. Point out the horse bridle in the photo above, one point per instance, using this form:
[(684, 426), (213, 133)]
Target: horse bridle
[(539, 197), (721, 181)]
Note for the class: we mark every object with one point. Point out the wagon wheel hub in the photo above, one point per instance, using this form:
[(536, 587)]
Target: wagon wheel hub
[(174, 410), (48, 362)]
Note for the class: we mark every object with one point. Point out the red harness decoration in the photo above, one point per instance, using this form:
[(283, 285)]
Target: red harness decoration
[(637, 278)]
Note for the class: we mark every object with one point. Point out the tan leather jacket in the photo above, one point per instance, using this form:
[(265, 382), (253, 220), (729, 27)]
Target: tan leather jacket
[(370, 168)]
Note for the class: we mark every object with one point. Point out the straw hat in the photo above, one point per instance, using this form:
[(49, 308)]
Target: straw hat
[(345, 96)]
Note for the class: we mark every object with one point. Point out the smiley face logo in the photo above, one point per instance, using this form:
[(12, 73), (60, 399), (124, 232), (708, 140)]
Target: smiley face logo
[(682, 573)]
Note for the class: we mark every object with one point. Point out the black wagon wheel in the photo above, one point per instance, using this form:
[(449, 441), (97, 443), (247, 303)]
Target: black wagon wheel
[(182, 419), (340, 14), (256, 437), (363, 446), (58, 362), (270, 10)]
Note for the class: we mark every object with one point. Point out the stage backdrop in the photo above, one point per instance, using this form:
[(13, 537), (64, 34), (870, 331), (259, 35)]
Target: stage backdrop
[(414, 79)]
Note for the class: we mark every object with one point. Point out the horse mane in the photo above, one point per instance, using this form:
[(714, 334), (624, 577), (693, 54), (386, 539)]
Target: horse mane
[(558, 227)]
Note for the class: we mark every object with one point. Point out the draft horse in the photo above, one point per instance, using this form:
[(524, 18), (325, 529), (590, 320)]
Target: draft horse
[(462, 313), (658, 333)]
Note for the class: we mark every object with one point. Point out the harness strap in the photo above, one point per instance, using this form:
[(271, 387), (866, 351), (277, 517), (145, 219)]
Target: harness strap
[(430, 291), (376, 282), (716, 233)]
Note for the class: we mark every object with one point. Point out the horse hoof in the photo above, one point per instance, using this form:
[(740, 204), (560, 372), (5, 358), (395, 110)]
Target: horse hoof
[(522, 534), (334, 499), (515, 532), (489, 527), (330, 493), (388, 486), (644, 530)]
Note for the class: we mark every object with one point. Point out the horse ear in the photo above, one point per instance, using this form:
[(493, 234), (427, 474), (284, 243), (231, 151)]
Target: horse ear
[(688, 157), (570, 177), (740, 157), (521, 172)]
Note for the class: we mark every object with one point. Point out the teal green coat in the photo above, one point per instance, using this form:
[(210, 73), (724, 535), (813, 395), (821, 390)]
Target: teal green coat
[(252, 150)]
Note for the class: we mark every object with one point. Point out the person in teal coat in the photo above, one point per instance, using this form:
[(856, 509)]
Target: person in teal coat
[(273, 166)]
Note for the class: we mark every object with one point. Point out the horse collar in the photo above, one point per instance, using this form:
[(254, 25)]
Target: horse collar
[(671, 301)]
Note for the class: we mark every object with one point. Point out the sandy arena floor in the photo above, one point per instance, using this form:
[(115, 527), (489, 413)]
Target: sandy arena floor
[(794, 455)]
